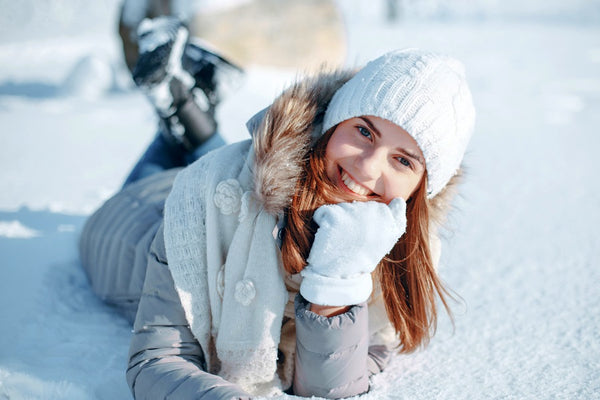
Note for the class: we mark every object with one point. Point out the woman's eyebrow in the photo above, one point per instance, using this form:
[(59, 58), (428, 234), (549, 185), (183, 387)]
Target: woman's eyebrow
[(413, 156), (371, 126), (400, 149)]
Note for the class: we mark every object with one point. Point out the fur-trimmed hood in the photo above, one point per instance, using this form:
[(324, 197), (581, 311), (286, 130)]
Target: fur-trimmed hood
[(282, 136)]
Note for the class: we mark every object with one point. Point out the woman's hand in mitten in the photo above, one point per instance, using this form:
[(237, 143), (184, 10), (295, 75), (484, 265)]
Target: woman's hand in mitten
[(351, 240)]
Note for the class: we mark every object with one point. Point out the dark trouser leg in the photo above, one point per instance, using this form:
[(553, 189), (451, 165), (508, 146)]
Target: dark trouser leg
[(159, 156), (212, 143), (163, 154)]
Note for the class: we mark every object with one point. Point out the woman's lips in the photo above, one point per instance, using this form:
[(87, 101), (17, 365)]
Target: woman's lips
[(353, 185)]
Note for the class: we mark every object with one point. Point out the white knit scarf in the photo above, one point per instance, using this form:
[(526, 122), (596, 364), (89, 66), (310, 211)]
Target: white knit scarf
[(216, 231)]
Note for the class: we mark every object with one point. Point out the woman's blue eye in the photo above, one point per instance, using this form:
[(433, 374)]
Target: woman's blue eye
[(364, 131), (404, 161)]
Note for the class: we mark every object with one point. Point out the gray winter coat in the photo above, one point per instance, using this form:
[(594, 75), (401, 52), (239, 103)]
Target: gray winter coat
[(123, 252)]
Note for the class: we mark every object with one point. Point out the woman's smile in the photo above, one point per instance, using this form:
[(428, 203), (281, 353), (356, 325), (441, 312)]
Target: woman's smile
[(352, 185)]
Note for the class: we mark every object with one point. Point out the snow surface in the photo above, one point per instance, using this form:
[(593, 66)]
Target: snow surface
[(521, 252)]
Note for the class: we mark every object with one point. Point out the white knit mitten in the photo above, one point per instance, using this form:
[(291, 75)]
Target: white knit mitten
[(351, 240)]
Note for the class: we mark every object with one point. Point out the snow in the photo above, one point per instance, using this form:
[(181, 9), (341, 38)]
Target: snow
[(520, 252), (15, 229)]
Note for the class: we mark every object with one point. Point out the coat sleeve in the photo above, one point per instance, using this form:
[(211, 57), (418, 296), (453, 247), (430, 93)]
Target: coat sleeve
[(333, 357), (165, 359)]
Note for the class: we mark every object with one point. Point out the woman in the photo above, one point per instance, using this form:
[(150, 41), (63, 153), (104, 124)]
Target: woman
[(299, 260)]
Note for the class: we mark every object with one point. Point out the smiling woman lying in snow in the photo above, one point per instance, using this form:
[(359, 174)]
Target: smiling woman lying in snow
[(297, 261)]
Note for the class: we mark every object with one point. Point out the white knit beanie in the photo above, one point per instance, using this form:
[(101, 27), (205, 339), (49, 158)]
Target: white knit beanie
[(424, 93)]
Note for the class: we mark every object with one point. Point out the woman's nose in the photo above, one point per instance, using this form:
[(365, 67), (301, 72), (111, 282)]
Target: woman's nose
[(371, 164)]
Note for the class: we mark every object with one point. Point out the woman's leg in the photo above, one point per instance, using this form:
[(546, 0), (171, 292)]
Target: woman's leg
[(185, 83), (115, 240), (163, 154), (159, 156)]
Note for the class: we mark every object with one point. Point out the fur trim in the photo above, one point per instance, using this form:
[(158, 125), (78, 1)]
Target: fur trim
[(284, 137), (440, 204)]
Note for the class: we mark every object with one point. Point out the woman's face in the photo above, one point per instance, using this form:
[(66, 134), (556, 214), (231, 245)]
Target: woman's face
[(374, 159)]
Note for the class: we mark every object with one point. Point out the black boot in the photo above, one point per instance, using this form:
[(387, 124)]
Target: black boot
[(183, 80), (189, 125)]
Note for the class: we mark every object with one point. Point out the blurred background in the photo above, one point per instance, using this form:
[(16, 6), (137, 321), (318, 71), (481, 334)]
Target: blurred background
[(521, 247)]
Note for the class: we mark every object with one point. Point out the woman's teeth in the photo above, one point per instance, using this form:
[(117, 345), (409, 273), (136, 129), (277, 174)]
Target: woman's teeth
[(353, 186)]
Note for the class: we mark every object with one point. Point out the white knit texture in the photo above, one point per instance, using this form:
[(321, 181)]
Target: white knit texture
[(226, 268), (424, 93)]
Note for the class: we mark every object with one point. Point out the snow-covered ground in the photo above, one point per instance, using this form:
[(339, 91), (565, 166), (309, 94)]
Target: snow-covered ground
[(522, 249)]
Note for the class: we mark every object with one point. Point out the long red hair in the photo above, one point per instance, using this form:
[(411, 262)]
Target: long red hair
[(407, 277)]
